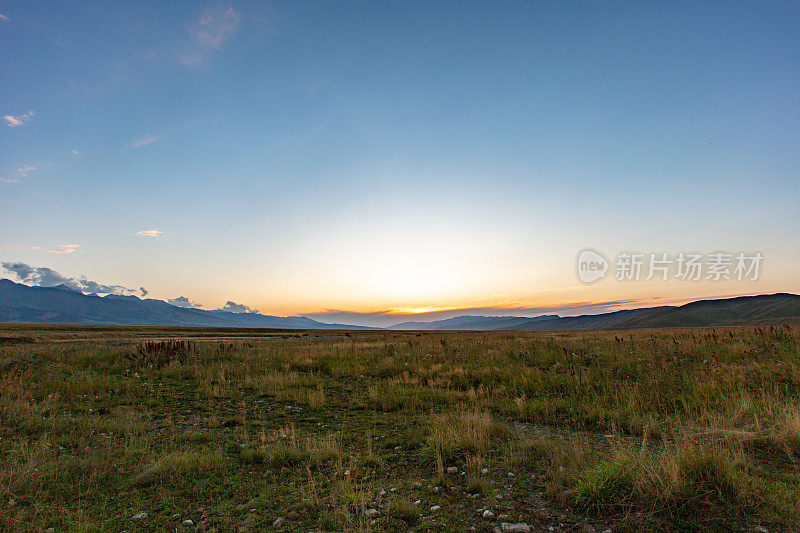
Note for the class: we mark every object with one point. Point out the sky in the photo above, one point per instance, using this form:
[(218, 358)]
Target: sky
[(367, 162)]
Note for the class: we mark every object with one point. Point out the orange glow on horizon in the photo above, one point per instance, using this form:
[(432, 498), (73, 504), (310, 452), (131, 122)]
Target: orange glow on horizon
[(419, 310)]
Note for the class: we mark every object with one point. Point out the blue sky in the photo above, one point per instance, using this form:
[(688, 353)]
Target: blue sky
[(364, 157)]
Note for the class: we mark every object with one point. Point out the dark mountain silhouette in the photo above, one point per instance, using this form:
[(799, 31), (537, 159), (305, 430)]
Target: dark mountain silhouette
[(740, 311), (62, 305)]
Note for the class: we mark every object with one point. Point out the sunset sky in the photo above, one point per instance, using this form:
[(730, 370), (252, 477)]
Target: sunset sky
[(365, 162)]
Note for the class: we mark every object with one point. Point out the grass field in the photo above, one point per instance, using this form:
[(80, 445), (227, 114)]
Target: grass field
[(377, 431)]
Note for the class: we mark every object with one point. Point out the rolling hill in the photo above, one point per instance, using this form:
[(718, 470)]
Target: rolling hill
[(740, 311)]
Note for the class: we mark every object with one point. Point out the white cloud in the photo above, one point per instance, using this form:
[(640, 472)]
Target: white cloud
[(214, 27), (15, 121), (47, 277), (233, 307), (3, 18), (154, 233), (144, 140), (75, 152), (183, 301)]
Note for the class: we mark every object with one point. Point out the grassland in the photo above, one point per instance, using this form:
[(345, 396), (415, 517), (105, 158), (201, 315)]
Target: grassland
[(375, 431)]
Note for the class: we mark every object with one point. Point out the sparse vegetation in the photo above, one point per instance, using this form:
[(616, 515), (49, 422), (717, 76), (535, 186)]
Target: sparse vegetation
[(370, 431)]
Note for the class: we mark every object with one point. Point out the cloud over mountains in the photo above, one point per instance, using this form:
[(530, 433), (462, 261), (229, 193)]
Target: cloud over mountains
[(233, 307), (47, 277), (183, 301)]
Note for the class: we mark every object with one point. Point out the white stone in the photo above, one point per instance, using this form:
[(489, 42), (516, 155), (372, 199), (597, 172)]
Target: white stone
[(521, 527)]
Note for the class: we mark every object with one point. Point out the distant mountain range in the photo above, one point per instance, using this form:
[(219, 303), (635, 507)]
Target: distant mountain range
[(466, 323), (741, 311), (61, 305)]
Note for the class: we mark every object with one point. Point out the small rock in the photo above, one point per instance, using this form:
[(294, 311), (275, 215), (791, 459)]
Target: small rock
[(347, 472), (521, 527), (435, 508), (417, 502), (511, 474), (485, 471), (187, 523), (382, 493), (372, 513), (278, 523), (760, 529), (50, 530), (452, 470), (140, 516), (488, 514)]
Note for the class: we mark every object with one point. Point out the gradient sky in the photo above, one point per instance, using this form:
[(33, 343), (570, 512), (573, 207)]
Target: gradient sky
[(369, 157)]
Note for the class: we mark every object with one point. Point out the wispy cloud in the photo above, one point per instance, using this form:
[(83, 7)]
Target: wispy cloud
[(67, 249), (144, 140), (3, 18), (209, 32), (154, 233), (24, 169), (47, 277), (75, 152), (15, 121), (19, 172)]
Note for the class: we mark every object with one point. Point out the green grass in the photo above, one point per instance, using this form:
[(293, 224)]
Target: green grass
[(657, 430)]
